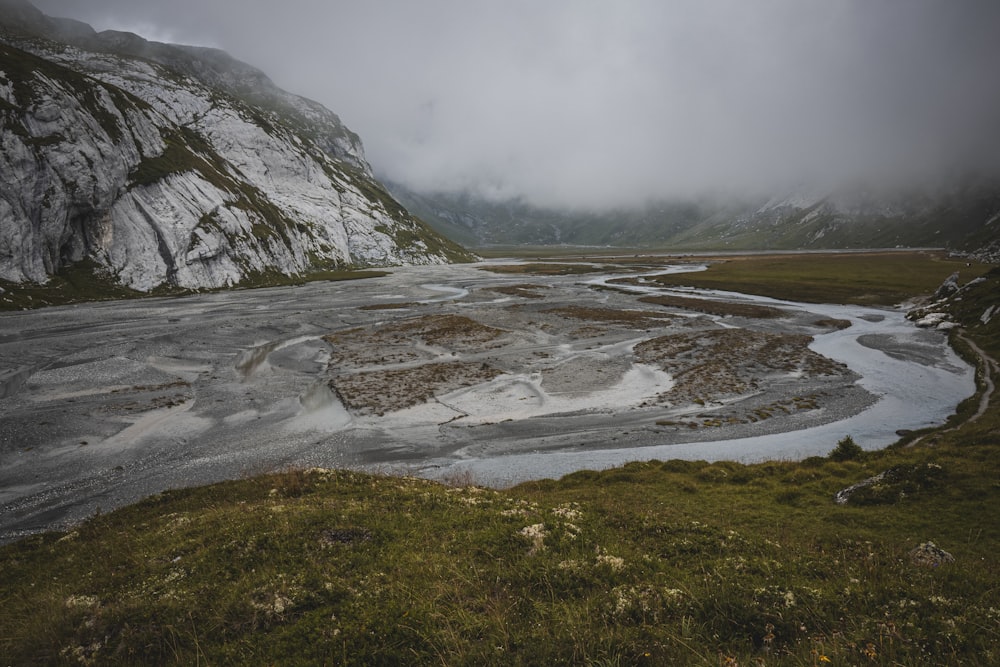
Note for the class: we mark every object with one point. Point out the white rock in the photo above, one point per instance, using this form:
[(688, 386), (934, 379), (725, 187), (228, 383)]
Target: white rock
[(236, 190), (932, 320)]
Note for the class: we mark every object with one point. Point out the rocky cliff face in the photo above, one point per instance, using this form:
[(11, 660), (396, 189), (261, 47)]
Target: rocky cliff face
[(177, 165)]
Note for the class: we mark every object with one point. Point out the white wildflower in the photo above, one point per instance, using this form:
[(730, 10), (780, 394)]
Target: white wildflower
[(81, 602), (568, 511), (281, 603), (537, 534), (616, 563)]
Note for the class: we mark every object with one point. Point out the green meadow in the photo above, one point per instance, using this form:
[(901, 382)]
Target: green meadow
[(654, 563)]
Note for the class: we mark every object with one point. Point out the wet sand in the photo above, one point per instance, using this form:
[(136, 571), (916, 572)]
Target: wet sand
[(435, 371)]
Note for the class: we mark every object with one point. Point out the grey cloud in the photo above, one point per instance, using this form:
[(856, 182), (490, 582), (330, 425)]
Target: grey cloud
[(595, 104)]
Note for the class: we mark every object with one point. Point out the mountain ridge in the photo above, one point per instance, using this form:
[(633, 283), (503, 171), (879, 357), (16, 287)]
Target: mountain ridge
[(962, 216), (180, 166)]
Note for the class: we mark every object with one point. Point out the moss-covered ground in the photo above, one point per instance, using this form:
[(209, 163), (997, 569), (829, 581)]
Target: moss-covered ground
[(659, 563)]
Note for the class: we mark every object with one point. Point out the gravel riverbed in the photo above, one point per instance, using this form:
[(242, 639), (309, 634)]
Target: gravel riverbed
[(444, 372)]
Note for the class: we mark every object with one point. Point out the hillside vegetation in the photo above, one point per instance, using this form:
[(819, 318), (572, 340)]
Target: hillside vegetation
[(658, 563)]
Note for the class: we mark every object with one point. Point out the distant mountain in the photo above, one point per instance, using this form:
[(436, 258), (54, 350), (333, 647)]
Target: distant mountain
[(962, 217), (161, 164), (479, 222)]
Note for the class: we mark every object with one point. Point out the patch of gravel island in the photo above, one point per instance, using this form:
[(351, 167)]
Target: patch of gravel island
[(386, 367), (633, 319), (722, 364), (524, 291), (777, 410), (379, 392), (401, 342), (716, 306)]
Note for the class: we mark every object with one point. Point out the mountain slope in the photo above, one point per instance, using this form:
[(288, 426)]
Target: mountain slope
[(475, 221), (177, 166), (964, 216), (960, 217)]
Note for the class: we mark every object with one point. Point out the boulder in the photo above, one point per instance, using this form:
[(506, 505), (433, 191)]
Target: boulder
[(929, 554), (948, 287)]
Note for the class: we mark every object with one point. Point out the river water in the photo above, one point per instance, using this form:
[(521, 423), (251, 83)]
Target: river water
[(916, 376), (104, 404)]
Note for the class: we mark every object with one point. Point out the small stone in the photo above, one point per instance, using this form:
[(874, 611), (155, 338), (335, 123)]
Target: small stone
[(332, 536), (929, 554)]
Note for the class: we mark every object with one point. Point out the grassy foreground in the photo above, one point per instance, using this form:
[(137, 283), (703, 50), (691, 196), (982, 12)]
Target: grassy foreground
[(660, 563)]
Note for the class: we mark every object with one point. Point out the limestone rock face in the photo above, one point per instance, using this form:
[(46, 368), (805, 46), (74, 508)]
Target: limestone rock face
[(177, 166), (948, 287)]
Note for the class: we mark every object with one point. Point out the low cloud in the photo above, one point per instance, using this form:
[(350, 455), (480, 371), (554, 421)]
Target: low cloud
[(597, 104)]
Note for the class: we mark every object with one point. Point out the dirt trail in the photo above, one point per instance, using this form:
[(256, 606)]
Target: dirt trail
[(990, 367)]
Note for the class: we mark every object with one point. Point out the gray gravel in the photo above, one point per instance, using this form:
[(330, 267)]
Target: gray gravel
[(104, 404)]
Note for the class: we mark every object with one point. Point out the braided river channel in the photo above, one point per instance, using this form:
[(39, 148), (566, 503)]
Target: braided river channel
[(455, 372)]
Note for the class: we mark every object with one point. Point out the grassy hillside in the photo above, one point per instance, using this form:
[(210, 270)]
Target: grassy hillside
[(659, 563), (866, 278)]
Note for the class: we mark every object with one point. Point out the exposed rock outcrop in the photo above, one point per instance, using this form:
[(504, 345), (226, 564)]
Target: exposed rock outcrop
[(177, 165), (947, 288), (892, 485)]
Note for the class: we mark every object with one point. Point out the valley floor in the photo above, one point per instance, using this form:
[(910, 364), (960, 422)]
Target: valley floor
[(456, 372)]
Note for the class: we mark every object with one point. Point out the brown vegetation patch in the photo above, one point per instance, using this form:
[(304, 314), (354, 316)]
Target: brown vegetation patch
[(370, 347), (635, 318), (833, 323), (547, 269), (449, 330), (709, 365), (378, 392), (394, 342), (525, 291), (388, 306), (155, 402), (774, 409), (714, 307), (154, 387)]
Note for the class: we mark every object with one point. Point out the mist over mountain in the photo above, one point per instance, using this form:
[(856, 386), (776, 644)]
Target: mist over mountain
[(689, 125), (965, 217), (597, 106)]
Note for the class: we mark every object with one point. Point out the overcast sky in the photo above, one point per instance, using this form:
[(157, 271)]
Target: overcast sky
[(578, 102)]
